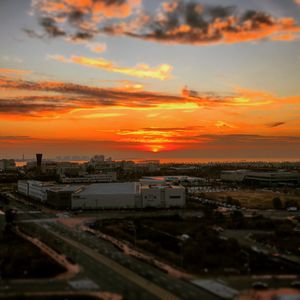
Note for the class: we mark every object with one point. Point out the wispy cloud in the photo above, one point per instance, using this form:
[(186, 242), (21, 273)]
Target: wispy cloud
[(13, 59), (161, 72), (97, 47), (61, 97), (14, 138), (14, 71), (275, 124)]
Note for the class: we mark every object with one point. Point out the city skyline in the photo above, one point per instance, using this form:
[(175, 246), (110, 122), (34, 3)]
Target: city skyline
[(150, 79)]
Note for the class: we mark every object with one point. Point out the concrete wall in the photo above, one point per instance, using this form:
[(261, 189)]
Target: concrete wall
[(102, 201), (233, 176), (37, 191), (59, 199), (152, 197), (23, 187), (175, 197)]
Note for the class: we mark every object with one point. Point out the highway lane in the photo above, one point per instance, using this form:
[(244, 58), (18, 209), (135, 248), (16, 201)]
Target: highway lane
[(136, 279), (181, 288)]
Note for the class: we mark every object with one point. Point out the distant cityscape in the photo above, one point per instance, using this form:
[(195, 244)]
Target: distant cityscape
[(149, 150)]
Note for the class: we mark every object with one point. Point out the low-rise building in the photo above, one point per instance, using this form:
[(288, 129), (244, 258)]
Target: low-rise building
[(91, 178), (264, 178), (162, 196), (123, 195), (107, 195), (178, 179), (60, 196), (34, 189), (149, 165), (7, 165)]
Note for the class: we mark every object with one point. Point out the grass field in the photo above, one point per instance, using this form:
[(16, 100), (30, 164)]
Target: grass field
[(20, 259), (252, 199)]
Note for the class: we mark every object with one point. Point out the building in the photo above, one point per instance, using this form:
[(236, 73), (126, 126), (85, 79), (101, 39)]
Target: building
[(162, 196), (107, 195), (121, 195), (149, 165), (180, 179), (60, 196), (263, 178), (7, 165), (97, 159), (34, 189), (91, 178), (68, 168)]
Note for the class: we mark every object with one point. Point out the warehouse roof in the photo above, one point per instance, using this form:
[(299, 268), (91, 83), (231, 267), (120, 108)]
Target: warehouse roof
[(65, 188), (161, 186), (111, 188)]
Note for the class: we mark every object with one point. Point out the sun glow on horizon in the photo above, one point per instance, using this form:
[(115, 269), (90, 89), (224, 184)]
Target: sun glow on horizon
[(156, 148)]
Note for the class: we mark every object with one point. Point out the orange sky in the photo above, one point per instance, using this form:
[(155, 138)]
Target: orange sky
[(70, 88)]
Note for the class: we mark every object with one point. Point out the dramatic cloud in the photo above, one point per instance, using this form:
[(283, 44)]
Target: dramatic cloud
[(157, 139), (35, 106), (81, 17), (188, 22), (161, 72), (50, 27), (60, 97), (241, 97), (177, 21)]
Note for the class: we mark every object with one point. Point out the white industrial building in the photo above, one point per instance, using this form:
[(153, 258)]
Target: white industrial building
[(123, 195), (106, 195), (36, 190), (162, 196)]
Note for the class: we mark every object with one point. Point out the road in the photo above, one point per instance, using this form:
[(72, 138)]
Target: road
[(131, 276), (102, 266)]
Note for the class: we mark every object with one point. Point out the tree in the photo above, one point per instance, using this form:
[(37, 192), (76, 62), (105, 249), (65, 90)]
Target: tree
[(9, 216), (284, 230), (237, 218), (277, 204)]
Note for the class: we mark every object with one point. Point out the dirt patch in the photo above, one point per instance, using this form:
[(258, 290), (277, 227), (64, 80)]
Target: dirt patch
[(252, 199)]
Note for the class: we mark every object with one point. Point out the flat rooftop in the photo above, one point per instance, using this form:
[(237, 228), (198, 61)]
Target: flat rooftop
[(65, 188), (110, 188), (170, 178), (161, 186)]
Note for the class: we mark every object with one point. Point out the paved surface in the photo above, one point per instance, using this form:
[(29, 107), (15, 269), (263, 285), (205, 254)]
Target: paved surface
[(104, 267), (131, 276)]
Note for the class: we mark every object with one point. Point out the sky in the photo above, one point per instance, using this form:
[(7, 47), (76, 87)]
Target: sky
[(140, 79)]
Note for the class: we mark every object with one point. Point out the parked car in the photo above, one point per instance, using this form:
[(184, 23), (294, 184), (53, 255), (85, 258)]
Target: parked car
[(259, 285)]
